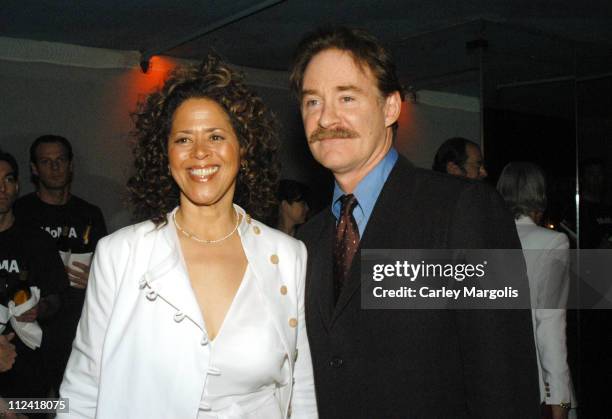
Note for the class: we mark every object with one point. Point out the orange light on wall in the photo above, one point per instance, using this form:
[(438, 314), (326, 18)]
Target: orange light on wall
[(133, 85), (406, 113), (157, 70), (409, 140), (405, 129)]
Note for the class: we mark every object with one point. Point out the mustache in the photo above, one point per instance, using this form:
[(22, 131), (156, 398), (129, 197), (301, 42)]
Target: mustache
[(326, 133)]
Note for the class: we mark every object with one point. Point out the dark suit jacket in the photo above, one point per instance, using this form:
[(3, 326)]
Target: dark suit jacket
[(447, 364)]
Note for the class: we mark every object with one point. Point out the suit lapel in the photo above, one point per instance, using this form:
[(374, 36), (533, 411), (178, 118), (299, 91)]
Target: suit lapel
[(320, 283)]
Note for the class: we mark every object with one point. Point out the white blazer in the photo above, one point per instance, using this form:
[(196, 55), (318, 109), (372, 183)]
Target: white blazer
[(548, 273), (139, 347)]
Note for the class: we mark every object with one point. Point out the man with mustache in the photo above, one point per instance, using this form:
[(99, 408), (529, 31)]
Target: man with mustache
[(397, 363)]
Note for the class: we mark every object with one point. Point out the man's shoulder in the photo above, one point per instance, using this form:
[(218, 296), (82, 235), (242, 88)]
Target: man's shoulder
[(311, 229), (29, 209), (432, 181), (408, 185), (80, 203), (32, 203), (26, 202), (33, 235)]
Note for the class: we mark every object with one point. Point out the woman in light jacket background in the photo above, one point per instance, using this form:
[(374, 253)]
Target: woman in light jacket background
[(199, 311), (523, 187)]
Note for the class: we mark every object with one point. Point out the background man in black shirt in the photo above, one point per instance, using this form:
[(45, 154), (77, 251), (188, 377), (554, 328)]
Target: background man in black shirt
[(75, 224), (27, 259)]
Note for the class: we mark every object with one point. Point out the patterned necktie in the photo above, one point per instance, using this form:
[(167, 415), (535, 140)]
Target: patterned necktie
[(347, 242)]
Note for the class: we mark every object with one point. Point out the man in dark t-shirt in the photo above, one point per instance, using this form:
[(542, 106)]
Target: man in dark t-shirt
[(28, 260), (76, 226)]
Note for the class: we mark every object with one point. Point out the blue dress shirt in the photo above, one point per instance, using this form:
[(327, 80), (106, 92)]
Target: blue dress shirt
[(367, 191)]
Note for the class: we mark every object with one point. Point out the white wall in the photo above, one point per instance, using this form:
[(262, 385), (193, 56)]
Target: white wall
[(89, 107), (87, 95)]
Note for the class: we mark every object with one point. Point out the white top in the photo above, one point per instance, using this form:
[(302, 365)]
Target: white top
[(141, 349), (245, 361)]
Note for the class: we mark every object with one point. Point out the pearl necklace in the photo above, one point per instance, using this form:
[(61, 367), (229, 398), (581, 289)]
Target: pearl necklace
[(199, 240)]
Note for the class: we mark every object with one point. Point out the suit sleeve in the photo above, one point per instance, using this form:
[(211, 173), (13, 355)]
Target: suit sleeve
[(81, 378), (553, 281), (304, 405), (497, 346)]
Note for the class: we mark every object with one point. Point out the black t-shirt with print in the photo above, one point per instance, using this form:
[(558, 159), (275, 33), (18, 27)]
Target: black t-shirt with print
[(28, 257), (76, 227)]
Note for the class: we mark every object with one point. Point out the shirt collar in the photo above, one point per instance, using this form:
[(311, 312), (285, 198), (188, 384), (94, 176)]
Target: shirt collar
[(367, 190)]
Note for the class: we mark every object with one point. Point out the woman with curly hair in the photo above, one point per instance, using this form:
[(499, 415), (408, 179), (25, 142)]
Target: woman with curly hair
[(197, 312)]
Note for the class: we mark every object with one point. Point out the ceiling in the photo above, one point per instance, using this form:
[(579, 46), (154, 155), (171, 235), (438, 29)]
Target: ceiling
[(437, 43)]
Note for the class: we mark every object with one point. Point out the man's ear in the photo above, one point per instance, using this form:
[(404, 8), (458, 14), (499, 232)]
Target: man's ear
[(393, 107), (33, 169), (453, 169)]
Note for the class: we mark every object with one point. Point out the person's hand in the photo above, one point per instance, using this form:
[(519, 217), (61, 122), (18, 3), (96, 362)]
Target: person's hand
[(4, 410), (7, 352), (29, 316), (78, 276), (559, 412)]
